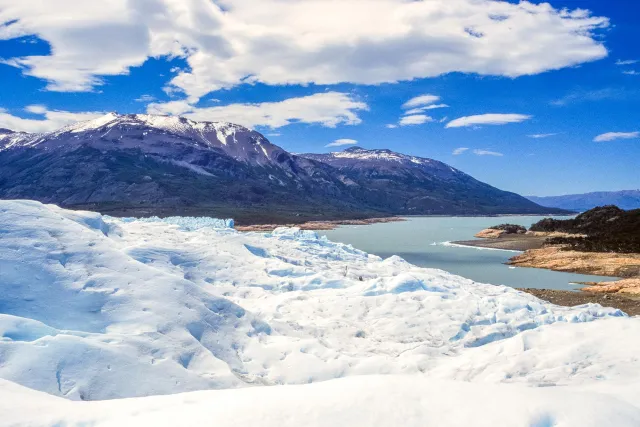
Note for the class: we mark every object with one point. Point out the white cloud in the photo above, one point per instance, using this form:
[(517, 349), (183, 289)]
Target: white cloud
[(421, 100), (425, 108), (627, 62), (434, 106), (326, 108), (36, 109), (391, 126), (145, 98), (415, 108), (581, 95), (280, 42), (631, 73), (51, 120), (342, 142), (542, 135), (416, 119), (487, 153), (612, 136), (459, 151), (487, 119)]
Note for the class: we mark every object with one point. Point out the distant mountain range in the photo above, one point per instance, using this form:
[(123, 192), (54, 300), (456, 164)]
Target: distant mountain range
[(158, 165), (628, 199)]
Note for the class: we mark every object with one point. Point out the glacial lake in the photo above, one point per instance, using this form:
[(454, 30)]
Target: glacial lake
[(419, 240)]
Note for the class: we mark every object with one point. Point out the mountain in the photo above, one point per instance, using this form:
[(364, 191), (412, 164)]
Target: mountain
[(628, 199), (417, 185), (143, 164), (140, 165)]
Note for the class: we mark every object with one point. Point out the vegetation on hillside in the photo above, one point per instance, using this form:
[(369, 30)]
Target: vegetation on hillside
[(510, 228), (607, 229)]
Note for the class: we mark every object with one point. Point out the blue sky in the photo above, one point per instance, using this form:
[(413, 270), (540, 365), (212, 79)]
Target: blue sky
[(307, 74)]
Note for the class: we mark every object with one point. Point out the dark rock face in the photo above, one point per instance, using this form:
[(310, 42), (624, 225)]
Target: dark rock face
[(156, 165)]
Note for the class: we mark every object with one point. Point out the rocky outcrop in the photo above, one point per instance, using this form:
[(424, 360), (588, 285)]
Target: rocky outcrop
[(490, 233), (625, 287), (596, 263)]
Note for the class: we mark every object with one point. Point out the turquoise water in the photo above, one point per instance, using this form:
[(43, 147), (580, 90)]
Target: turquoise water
[(419, 241)]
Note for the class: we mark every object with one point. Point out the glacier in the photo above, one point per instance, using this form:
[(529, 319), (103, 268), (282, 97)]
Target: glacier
[(94, 308)]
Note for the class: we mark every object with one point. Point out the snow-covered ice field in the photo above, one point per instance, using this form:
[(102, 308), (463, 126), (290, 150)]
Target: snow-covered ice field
[(285, 328)]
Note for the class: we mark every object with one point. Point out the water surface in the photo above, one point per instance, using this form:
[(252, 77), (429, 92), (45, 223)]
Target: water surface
[(419, 241)]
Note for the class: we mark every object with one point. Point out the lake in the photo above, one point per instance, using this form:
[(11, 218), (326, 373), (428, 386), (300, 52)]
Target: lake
[(419, 240)]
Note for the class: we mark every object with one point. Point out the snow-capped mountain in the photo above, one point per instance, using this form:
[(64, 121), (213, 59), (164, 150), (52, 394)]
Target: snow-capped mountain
[(145, 162), (152, 134), (140, 164), (419, 185), (382, 155), (9, 139)]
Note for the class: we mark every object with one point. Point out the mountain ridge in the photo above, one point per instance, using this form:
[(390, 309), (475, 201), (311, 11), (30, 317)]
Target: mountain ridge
[(141, 165), (422, 185), (624, 199)]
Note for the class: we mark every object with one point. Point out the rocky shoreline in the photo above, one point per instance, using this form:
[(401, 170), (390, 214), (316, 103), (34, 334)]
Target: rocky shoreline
[(318, 225), (558, 258), (623, 294), (630, 304), (511, 242)]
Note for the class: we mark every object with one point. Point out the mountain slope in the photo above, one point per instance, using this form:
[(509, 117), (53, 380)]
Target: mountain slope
[(416, 185), (140, 165), (627, 199)]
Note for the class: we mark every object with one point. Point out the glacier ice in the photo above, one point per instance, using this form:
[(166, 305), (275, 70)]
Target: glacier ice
[(94, 308)]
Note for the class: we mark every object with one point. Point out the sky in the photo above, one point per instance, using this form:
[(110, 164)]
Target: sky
[(532, 97)]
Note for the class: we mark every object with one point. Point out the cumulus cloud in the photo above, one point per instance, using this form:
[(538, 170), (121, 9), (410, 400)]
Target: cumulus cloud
[(612, 136), (51, 119), (327, 109), (542, 135), (487, 119), (487, 153), (459, 151), (279, 42), (416, 119), (391, 126), (342, 142)]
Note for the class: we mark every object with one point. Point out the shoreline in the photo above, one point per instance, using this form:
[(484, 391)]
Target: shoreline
[(535, 254), (334, 223), (628, 304), (319, 225), (516, 242), (558, 258)]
